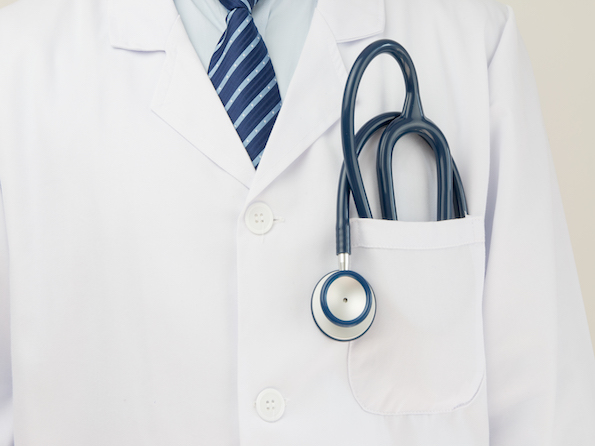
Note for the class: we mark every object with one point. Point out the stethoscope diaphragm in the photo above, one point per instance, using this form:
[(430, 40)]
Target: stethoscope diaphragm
[(343, 305)]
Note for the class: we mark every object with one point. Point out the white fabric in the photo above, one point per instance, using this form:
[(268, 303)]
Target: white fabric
[(428, 321), (283, 25), (145, 312)]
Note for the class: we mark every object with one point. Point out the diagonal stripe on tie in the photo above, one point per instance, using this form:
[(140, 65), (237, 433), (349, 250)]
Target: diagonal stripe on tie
[(243, 76)]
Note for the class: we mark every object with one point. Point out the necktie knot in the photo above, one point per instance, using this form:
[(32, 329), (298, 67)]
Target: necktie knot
[(235, 4)]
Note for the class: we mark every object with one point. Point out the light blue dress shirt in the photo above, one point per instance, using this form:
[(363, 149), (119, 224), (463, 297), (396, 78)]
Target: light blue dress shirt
[(283, 24)]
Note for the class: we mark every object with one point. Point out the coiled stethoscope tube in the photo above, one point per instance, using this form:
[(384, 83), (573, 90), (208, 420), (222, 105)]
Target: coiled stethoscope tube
[(343, 303)]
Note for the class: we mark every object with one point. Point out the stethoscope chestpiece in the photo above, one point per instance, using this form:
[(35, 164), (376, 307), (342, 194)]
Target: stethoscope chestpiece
[(343, 305)]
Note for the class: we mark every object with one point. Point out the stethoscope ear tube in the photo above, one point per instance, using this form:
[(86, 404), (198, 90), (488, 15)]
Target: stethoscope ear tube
[(436, 140), (362, 137), (459, 198), (411, 108)]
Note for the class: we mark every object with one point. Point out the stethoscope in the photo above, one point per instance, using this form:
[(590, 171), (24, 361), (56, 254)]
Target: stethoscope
[(343, 302)]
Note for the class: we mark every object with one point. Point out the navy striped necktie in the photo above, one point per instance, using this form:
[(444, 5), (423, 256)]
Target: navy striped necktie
[(243, 75)]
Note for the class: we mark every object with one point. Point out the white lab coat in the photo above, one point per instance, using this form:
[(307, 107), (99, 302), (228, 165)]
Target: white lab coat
[(143, 311)]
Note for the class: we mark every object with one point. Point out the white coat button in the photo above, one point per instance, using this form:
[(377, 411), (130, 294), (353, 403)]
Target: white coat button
[(270, 405), (259, 218)]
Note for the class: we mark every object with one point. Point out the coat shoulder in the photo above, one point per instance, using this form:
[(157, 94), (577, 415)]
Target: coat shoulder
[(479, 10), (466, 13), (27, 25), (469, 20)]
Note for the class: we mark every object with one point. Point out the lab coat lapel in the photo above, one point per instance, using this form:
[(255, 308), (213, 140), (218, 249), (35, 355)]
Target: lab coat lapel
[(186, 100), (313, 100), (184, 97)]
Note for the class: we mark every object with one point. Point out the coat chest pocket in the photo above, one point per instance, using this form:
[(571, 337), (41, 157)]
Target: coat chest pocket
[(424, 352)]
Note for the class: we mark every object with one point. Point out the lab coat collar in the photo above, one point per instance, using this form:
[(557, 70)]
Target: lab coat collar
[(313, 101), (353, 19), (186, 100), (311, 106), (144, 25), (141, 25)]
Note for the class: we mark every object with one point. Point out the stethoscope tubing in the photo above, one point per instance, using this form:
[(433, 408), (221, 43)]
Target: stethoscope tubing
[(412, 107), (362, 137), (451, 197), (436, 140)]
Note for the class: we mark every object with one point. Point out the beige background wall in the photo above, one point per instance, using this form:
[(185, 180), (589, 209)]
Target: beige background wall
[(560, 37)]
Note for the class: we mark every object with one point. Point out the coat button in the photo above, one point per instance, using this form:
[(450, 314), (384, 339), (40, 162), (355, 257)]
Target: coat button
[(270, 405), (259, 218)]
